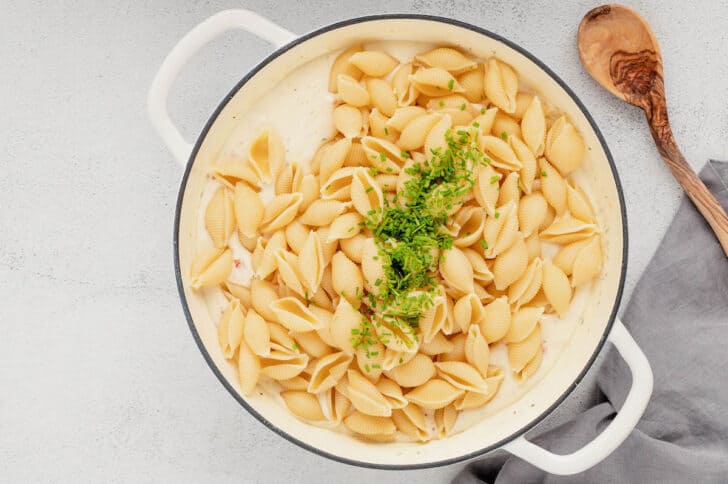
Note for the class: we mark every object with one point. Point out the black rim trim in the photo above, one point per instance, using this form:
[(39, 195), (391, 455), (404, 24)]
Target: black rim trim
[(183, 186)]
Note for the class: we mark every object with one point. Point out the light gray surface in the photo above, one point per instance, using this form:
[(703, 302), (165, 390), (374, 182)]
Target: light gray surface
[(99, 377)]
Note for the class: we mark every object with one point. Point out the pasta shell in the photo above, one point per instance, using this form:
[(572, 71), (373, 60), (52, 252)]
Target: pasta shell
[(496, 320), (211, 267), (458, 349), (379, 129), (533, 127), (500, 153), (553, 186), (565, 258), (435, 82), (395, 335), (436, 140), (505, 126), (266, 263), (533, 246), (414, 372), (310, 190), (249, 210), (393, 359), (257, 334), (519, 354), (524, 289), (351, 92), (230, 328), (279, 335), (588, 264), (348, 120), (233, 172), (578, 203), (280, 211), (297, 383), (365, 397), (333, 158), (303, 405), (368, 425), (312, 343), (416, 130), (481, 272), (410, 420), (341, 65), (486, 188), (311, 263), (485, 120), (566, 229), (236, 291), (282, 363), (356, 156), (248, 369), (556, 287), (468, 310), (438, 345), (456, 270), (335, 406), (528, 172), (531, 367), (373, 63), (482, 294), (289, 179), (403, 89), (288, 269), (388, 183), (261, 294), (404, 115), (328, 371), (564, 146), (531, 212), (293, 315), (266, 155), (473, 83), (322, 212), (296, 235), (382, 154), (326, 318), (500, 231), (366, 194), (392, 393), (338, 186), (372, 266), (461, 375), (434, 394), (509, 190), (511, 264), (448, 59), (501, 85), (472, 400), (381, 96), (353, 247), (345, 226), (471, 221), (523, 322), (523, 101), (220, 218), (347, 279), (445, 419), (346, 322), (477, 351), (434, 318)]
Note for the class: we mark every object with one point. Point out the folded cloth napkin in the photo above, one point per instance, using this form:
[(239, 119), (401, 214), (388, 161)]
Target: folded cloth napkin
[(678, 315)]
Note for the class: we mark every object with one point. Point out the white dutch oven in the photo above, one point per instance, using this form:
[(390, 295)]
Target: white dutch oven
[(505, 428)]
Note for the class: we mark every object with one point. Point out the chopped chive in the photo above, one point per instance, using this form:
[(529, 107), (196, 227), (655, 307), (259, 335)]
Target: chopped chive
[(382, 156), (482, 110), (544, 174), (451, 84), (504, 135), (484, 244), (476, 124), (462, 107), (441, 104), (369, 189), (497, 214), (494, 179), (386, 130)]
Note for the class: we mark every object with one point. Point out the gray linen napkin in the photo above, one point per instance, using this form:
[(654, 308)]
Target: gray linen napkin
[(678, 315)]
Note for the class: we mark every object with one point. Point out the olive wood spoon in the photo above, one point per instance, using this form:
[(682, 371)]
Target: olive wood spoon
[(618, 48)]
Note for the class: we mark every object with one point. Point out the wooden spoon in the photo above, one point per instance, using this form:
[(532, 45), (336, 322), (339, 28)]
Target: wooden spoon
[(618, 48)]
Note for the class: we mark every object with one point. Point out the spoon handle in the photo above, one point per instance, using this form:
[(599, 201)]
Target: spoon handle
[(691, 183)]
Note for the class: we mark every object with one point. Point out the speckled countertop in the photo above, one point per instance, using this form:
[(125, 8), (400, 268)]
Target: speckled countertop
[(100, 380)]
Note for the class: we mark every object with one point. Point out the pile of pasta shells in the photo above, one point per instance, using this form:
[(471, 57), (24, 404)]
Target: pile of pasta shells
[(313, 260)]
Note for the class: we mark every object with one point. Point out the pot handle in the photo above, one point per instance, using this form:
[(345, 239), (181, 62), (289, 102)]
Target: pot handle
[(195, 39), (615, 433)]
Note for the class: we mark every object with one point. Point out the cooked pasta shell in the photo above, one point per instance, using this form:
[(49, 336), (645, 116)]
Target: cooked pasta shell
[(257, 334), (565, 258), (556, 287), (311, 263), (388, 183), (448, 59), (393, 358), (564, 146), (267, 262), (458, 349), (496, 320), (578, 203), (379, 129), (533, 246), (381, 96), (326, 317), (312, 343), (500, 231), (348, 120), (519, 354), (456, 270), (396, 335), (279, 335), (233, 172), (461, 375), (532, 210), (249, 210), (486, 188), (289, 179), (365, 397), (523, 101), (322, 212), (366, 194), (282, 363), (297, 383), (500, 153), (328, 371), (392, 393), (404, 115), (501, 85), (588, 264), (481, 272), (477, 351), (333, 159), (345, 226), (347, 279), (403, 89), (510, 189), (296, 235), (372, 266), (382, 154), (511, 264), (410, 420), (485, 120), (356, 156), (473, 83), (524, 289), (248, 369), (435, 82), (368, 425), (439, 344), (373, 63), (449, 327), (530, 165), (468, 310), (341, 65), (351, 92), (553, 186), (310, 191), (532, 366), (230, 328), (451, 102), (353, 247), (445, 419), (414, 372), (266, 155), (533, 127), (288, 269), (280, 211), (211, 267), (436, 140), (471, 221), (434, 394), (505, 126), (335, 405), (292, 314), (236, 291), (261, 295), (369, 357), (220, 218), (338, 186), (567, 229), (303, 405), (346, 322), (416, 130), (471, 400), (433, 319), (523, 323)]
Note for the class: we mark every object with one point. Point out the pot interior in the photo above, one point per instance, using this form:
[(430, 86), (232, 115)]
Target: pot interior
[(241, 115)]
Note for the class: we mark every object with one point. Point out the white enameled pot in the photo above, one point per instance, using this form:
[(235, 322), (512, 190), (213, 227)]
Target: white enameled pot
[(503, 429)]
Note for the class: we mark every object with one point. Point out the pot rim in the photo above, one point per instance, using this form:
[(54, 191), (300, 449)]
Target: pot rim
[(183, 186)]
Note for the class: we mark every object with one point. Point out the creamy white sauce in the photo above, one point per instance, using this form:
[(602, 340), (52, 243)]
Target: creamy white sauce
[(300, 110)]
